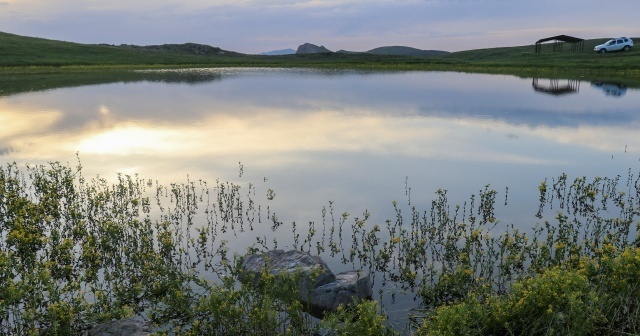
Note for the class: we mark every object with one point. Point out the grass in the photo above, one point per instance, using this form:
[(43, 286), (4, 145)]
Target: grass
[(28, 51), (599, 296), (20, 55)]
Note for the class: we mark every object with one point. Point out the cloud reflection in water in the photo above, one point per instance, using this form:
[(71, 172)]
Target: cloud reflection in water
[(352, 137)]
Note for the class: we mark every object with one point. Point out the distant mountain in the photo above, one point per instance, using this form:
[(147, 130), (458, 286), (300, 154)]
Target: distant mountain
[(397, 51), (342, 51), (309, 48), (404, 51), (288, 51)]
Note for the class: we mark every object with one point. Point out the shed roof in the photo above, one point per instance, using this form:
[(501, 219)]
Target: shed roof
[(564, 38)]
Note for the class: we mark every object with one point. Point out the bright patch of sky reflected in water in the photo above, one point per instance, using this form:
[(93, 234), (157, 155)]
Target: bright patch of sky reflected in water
[(349, 137), (353, 138)]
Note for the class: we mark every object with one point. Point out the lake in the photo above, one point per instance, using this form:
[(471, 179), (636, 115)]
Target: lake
[(350, 141)]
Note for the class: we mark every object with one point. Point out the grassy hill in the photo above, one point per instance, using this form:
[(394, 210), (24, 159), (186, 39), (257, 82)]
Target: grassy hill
[(522, 52), (407, 51), (621, 67), (525, 56), (18, 50), (22, 51), (397, 51), (20, 54)]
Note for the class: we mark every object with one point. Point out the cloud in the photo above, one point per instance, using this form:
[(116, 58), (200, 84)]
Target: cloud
[(4, 3), (254, 26)]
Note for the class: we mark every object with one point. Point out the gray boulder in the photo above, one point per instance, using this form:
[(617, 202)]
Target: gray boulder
[(255, 264), (126, 327), (319, 288), (349, 287), (313, 271)]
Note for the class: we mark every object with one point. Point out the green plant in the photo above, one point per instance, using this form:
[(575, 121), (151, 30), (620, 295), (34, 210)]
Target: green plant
[(363, 319), (600, 297), (75, 252)]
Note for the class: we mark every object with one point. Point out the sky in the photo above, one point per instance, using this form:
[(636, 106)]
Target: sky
[(255, 26)]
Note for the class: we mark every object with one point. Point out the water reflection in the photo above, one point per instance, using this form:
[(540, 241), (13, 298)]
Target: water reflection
[(257, 111), (29, 83), (360, 140), (610, 89), (556, 87), (300, 127)]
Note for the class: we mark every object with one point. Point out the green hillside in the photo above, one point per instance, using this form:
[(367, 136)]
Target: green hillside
[(18, 50), (407, 51), (586, 58), (22, 51), (20, 54)]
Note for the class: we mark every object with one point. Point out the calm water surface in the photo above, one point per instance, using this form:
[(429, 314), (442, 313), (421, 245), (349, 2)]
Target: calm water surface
[(359, 140)]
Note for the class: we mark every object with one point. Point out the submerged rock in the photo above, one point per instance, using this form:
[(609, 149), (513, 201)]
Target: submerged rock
[(319, 288), (349, 287), (126, 327), (313, 271)]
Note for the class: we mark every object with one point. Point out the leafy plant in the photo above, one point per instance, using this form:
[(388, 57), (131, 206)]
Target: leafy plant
[(75, 252)]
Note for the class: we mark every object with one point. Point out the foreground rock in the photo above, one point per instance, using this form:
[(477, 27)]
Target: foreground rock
[(314, 270), (319, 288), (126, 327), (349, 287)]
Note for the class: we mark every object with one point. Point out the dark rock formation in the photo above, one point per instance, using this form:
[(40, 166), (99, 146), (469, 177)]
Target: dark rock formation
[(309, 48), (314, 271), (348, 286), (319, 288)]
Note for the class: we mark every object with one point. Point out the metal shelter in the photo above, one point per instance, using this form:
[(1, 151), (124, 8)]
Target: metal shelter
[(577, 44)]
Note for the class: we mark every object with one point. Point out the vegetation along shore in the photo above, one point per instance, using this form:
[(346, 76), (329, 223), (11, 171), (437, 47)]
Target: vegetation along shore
[(29, 55)]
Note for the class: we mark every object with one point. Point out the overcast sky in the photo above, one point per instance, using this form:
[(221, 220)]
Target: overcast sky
[(254, 26)]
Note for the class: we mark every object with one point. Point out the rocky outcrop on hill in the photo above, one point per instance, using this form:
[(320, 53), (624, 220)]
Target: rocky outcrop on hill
[(309, 48), (319, 288), (185, 48)]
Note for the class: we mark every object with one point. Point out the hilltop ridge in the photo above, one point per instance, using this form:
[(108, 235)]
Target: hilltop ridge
[(309, 48), (186, 48), (405, 51), (19, 52)]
